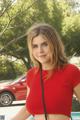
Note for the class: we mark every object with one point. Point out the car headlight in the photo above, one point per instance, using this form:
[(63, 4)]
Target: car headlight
[(13, 88), (1, 87)]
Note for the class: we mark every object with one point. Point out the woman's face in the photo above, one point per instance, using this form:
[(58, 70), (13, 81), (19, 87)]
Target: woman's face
[(41, 50)]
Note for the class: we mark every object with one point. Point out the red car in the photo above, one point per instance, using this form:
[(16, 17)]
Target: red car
[(13, 91)]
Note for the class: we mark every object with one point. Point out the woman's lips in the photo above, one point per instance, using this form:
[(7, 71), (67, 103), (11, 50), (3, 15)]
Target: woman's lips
[(42, 55)]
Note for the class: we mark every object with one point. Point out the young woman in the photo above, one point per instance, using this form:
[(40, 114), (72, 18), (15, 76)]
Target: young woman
[(52, 81)]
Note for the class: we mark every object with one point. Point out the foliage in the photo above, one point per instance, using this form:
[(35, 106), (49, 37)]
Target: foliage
[(71, 34), (10, 69), (16, 16)]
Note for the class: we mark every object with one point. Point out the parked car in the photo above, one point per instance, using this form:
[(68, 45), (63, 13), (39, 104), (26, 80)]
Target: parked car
[(13, 91)]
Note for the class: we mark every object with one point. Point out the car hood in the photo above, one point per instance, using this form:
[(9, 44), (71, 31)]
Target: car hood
[(3, 84)]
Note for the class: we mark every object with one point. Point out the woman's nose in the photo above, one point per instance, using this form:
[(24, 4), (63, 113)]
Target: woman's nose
[(40, 49)]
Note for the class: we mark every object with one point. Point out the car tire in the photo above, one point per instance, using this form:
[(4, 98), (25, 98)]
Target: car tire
[(6, 99)]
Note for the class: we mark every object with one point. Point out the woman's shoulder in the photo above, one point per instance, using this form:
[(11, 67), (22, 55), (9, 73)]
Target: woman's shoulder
[(32, 70), (30, 75), (72, 68), (74, 74)]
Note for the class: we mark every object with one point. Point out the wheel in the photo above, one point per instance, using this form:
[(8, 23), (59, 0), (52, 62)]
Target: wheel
[(6, 99)]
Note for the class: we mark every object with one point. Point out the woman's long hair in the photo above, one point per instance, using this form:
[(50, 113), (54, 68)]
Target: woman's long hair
[(50, 34)]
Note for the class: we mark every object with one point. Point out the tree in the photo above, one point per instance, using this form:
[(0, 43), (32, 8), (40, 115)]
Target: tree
[(20, 15), (16, 22), (9, 69), (71, 35), (14, 28)]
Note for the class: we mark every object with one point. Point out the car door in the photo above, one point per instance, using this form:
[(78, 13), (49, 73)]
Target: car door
[(21, 89)]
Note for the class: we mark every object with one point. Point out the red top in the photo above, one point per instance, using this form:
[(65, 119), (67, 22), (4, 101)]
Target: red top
[(58, 90)]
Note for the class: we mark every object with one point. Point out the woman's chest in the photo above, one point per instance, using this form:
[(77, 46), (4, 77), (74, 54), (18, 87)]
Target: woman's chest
[(55, 86)]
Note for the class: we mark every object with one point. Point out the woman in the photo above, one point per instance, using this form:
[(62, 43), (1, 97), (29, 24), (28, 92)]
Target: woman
[(52, 81)]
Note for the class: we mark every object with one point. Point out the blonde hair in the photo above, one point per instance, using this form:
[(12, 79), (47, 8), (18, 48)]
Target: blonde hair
[(57, 48)]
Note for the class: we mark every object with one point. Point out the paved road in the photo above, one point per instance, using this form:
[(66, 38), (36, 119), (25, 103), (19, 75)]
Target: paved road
[(6, 113)]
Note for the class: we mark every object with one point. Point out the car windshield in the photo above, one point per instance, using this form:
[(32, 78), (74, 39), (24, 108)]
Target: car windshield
[(21, 78)]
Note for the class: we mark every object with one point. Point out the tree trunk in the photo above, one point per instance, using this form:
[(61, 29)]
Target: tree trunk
[(27, 63)]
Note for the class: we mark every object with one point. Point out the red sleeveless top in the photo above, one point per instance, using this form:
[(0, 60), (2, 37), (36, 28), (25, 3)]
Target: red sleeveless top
[(58, 90)]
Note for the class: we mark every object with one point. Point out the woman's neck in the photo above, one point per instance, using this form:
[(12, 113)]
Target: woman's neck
[(47, 67)]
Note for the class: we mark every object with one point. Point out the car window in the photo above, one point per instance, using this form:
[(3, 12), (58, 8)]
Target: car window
[(22, 78)]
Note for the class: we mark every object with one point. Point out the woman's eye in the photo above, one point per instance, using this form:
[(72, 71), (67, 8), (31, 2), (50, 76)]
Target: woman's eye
[(42, 45), (34, 46), (45, 44)]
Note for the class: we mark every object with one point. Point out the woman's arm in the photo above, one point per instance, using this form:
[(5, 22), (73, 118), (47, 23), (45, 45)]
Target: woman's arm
[(23, 114), (77, 91)]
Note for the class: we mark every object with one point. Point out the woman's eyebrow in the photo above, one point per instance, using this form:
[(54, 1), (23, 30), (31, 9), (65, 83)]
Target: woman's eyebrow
[(41, 42)]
